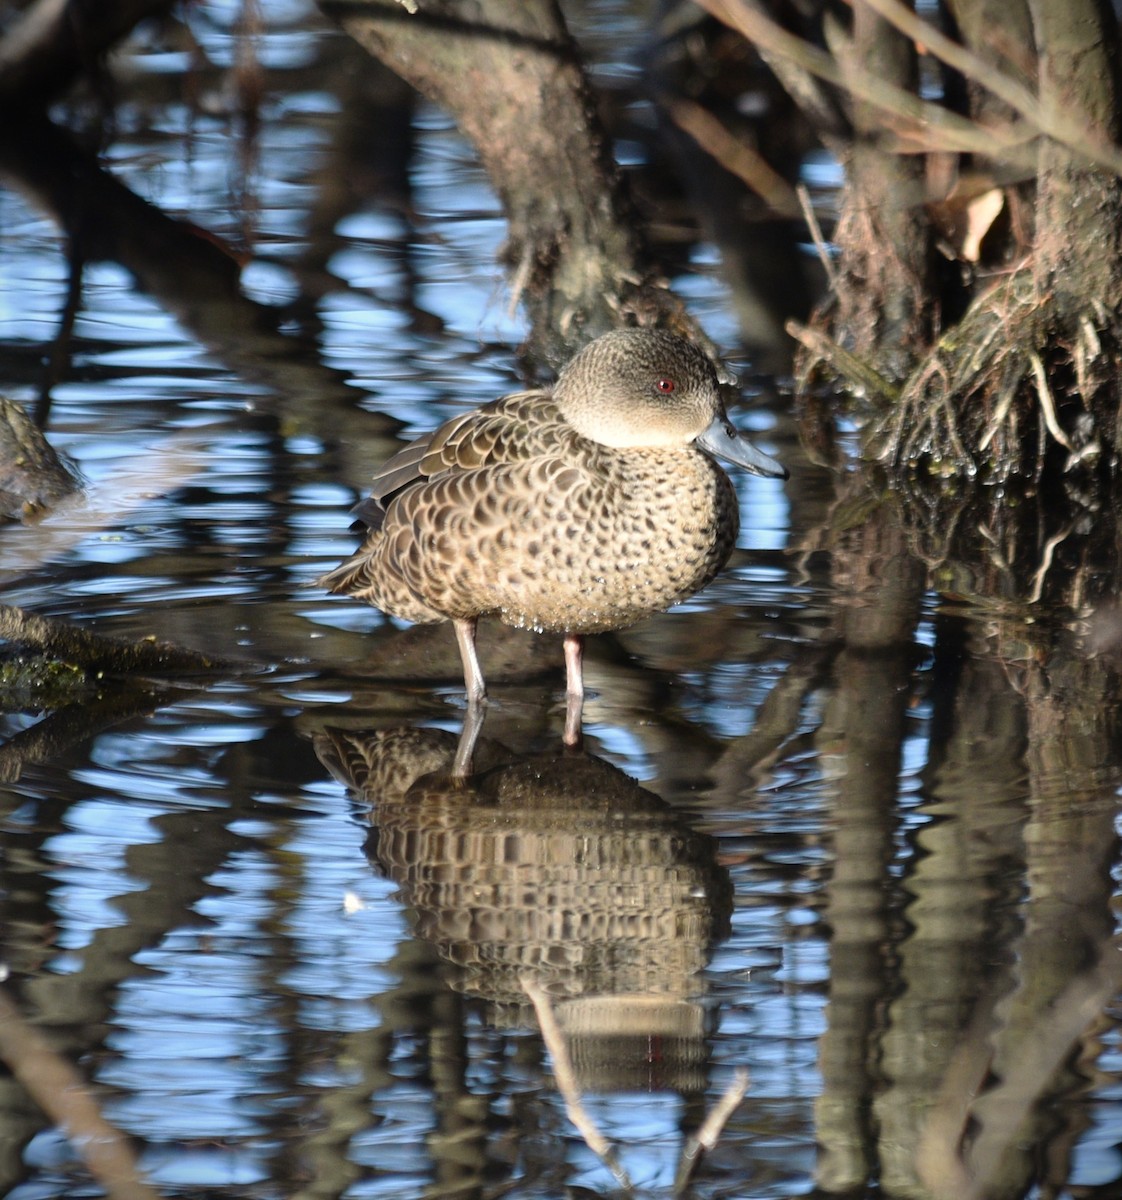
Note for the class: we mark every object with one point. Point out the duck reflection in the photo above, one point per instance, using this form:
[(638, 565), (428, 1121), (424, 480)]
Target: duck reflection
[(558, 870)]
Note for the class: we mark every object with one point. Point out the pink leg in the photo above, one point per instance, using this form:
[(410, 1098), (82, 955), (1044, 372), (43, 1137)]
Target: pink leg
[(476, 698), (574, 688), (473, 675)]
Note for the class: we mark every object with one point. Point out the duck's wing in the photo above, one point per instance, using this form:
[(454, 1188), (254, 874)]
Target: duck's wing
[(520, 426)]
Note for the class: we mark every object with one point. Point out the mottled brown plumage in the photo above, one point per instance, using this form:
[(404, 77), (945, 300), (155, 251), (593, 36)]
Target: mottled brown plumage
[(573, 510)]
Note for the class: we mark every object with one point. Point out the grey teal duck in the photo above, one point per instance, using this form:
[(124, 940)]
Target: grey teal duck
[(572, 510)]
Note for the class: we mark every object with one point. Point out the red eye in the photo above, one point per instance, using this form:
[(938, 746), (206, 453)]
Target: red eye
[(665, 386)]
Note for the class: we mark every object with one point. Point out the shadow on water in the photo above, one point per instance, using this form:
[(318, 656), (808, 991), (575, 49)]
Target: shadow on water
[(848, 820)]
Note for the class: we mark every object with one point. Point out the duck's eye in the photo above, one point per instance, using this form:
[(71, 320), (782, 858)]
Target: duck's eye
[(665, 385)]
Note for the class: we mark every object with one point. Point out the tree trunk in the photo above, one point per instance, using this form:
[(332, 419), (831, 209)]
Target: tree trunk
[(1000, 34), (1079, 204), (885, 298), (510, 76)]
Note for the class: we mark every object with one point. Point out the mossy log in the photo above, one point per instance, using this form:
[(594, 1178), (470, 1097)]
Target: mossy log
[(97, 655)]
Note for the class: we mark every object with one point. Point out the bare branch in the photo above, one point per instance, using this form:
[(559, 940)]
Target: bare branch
[(924, 123), (735, 156), (566, 1079), (811, 219), (709, 1133), (1070, 133)]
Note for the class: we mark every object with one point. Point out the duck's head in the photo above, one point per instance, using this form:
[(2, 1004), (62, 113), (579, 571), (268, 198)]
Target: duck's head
[(646, 388)]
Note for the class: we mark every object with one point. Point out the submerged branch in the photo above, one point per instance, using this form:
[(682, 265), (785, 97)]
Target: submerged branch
[(99, 655), (59, 1090), (32, 476), (567, 1085)]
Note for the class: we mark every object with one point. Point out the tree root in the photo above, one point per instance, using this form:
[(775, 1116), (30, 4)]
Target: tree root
[(863, 379), (1023, 383)]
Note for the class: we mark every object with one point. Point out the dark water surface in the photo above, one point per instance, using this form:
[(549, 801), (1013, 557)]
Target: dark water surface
[(823, 830)]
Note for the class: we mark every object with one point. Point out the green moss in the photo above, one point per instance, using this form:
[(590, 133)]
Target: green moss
[(36, 682)]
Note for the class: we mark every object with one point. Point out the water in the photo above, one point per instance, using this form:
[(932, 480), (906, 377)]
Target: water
[(828, 829)]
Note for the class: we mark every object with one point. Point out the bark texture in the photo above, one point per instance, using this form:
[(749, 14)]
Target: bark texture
[(1079, 204), (884, 304)]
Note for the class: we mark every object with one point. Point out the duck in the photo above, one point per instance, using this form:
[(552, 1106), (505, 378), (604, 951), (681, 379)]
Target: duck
[(574, 509)]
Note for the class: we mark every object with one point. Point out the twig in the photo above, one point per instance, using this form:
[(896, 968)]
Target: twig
[(1068, 132), (706, 1137), (1047, 405), (1041, 573), (858, 373), (709, 1133), (928, 123), (567, 1085), (1000, 413), (736, 156), (811, 218)]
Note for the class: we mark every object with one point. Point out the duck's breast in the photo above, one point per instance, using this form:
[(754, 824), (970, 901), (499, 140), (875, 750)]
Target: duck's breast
[(608, 543)]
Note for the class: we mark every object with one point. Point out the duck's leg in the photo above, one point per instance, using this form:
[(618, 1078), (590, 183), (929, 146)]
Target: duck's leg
[(574, 688), (476, 698), (473, 675)]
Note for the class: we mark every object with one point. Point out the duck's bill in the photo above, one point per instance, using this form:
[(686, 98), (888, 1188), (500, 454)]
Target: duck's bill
[(725, 441)]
